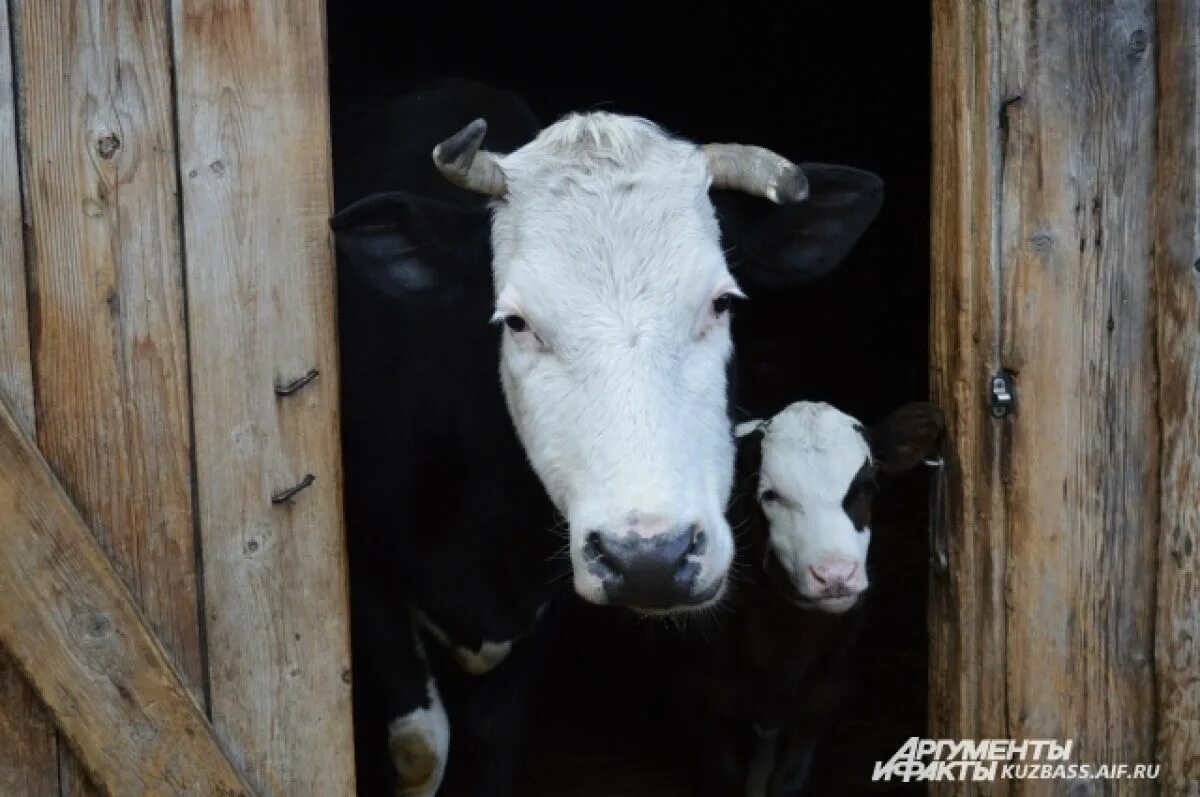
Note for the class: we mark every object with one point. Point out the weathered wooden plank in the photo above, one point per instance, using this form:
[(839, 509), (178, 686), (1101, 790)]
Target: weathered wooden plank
[(1044, 117), (16, 378), (967, 654), (254, 148), (76, 633), (1077, 327), (1177, 288), (28, 747), (108, 338), (109, 341)]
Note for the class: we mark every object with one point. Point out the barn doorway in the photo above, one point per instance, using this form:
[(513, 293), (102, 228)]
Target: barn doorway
[(820, 81)]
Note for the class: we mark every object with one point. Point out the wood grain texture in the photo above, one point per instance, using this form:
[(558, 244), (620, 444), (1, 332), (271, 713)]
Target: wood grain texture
[(254, 149), (76, 633), (1177, 282), (28, 747), (1077, 320), (16, 376), (967, 628), (109, 340), (1045, 166), (28, 742), (107, 308)]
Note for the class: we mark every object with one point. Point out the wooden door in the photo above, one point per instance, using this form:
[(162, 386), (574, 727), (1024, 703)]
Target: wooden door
[(165, 266)]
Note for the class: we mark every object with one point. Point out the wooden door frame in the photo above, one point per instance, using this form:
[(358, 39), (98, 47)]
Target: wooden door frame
[(1071, 608)]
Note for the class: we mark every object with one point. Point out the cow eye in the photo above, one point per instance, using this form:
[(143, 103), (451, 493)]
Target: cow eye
[(722, 303), (768, 496), (515, 323)]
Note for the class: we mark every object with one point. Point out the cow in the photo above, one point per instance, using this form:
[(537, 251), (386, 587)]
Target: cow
[(448, 528), (612, 282), (770, 677), (446, 515)]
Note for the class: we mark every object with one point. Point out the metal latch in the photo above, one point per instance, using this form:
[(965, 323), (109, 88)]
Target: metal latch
[(1003, 395)]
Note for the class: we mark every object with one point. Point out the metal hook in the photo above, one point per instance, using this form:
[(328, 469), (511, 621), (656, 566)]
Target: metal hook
[(294, 386), (290, 493), (937, 538)]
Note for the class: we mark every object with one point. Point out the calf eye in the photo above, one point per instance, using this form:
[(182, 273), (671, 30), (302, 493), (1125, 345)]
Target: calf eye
[(722, 303), (769, 496), (515, 323)]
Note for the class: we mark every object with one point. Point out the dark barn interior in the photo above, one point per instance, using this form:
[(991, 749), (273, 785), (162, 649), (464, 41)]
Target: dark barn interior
[(816, 81)]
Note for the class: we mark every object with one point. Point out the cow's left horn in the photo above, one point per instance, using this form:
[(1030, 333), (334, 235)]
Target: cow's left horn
[(756, 171), (463, 163)]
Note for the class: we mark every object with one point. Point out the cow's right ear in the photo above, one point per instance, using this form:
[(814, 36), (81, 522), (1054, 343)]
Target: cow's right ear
[(404, 245)]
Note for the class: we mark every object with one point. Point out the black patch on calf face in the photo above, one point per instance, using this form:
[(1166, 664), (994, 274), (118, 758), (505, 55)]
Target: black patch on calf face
[(857, 502)]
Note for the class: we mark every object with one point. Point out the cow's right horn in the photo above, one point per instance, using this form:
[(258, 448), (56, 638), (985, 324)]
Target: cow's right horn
[(463, 163)]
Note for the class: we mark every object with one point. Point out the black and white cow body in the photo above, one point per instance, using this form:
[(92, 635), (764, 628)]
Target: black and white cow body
[(449, 529), (776, 669), (446, 516)]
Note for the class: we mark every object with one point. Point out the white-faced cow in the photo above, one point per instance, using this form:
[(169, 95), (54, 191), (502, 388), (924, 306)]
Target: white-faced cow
[(771, 687), (601, 262), (610, 275)]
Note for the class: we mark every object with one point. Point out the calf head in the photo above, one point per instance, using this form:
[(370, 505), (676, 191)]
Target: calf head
[(816, 484)]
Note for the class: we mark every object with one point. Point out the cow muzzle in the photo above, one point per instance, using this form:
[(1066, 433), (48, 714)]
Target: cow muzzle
[(651, 566)]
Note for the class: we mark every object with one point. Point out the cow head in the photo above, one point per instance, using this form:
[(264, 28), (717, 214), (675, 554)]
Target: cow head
[(610, 277), (815, 486), (612, 293)]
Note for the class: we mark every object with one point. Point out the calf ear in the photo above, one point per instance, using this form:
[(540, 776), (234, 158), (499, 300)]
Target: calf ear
[(907, 436), (404, 245), (781, 245)]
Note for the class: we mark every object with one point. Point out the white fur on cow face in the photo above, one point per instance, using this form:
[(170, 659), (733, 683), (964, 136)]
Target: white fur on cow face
[(607, 246), (811, 453)]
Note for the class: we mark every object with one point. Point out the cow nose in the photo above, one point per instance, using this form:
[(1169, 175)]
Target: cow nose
[(655, 571), (834, 576)]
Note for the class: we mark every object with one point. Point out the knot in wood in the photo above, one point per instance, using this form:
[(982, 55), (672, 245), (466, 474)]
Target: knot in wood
[(1139, 40), (107, 145)]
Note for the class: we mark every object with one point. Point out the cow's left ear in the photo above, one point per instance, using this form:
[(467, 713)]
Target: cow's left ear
[(906, 437), (782, 245)]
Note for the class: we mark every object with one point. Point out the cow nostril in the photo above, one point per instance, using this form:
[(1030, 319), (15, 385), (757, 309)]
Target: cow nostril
[(816, 574), (686, 566), (598, 559)]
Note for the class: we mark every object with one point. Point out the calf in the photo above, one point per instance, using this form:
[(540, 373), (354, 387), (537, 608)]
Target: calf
[(778, 670)]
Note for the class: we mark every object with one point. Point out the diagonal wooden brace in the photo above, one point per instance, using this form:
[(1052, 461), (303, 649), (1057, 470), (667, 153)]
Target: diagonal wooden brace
[(76, 633)]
